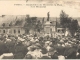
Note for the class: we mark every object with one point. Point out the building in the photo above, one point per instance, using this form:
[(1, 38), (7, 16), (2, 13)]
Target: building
[(12, 30), (50, 25), (15, 27)]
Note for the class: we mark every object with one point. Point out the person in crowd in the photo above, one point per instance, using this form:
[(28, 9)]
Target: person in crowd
[(71, 53), (41, 47), (32, 51), (45, 54), (37, 52), (78, 54), (28, 56)]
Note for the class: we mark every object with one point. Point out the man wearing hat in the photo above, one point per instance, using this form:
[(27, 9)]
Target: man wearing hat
[(28, 56), (44, 54), (31, 51)]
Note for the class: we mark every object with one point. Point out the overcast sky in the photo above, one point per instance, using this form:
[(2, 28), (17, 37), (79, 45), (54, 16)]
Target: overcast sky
[(8, 8)]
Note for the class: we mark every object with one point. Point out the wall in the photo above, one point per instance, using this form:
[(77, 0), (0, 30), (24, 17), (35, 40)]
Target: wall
[(11, 31)]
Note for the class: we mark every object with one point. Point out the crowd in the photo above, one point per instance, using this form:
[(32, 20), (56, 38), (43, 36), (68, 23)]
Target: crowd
[(32, 47)]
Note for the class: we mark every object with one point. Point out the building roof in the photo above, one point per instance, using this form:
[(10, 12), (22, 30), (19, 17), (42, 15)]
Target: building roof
[(21, 20), (11, 18)]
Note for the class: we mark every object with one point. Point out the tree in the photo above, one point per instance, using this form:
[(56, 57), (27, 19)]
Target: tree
[(33, 22), (68, 22), (30, 23), (43, 23), (18, 22), (64, 19), (39, 26), (73, 26)]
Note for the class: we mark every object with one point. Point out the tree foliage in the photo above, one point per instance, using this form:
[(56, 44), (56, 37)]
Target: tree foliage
[(18, 22), (33, 24), (68, 22), (38, 26), (64, 19), (73, 26)]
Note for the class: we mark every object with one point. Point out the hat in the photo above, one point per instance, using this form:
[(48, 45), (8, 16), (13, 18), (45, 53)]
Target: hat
[(29, 43), (8, 39), (59, 44), (74, 40), (63, 45), (31, 48), (44, 51), (61, 41), (47, 42), (36, 40), (22, 39), (28, 56), (61, 57), (37, 47), (37, 44), (51, 49)]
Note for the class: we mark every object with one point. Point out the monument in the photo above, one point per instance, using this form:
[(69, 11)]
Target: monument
[(49, 27)]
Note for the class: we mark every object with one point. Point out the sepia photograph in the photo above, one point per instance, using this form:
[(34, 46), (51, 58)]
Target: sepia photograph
[(40, 29)]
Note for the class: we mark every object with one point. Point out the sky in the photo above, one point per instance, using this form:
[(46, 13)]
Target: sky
[(8, 8), (11, 8)]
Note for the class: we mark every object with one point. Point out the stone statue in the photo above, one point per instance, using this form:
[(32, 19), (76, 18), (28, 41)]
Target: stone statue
[(48, 16)]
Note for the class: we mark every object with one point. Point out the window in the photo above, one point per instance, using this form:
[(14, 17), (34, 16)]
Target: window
[(58, 30), (50, 30), (14, 31), (62, 30), (18, 31), (3, 31), (0, 30), (10, 31)]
